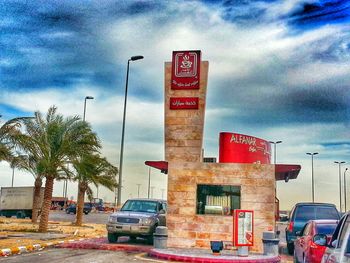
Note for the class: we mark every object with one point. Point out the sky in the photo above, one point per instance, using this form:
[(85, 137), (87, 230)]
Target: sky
[(278, 70)]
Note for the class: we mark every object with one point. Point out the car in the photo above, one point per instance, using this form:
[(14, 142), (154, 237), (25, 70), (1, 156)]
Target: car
[(138, 217), (338, 248), (73, 208), (306, 248), (301, 213)]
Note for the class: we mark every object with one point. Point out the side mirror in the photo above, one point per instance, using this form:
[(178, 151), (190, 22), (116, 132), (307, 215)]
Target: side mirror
[(161, 211), (298, 233), (320, 239)]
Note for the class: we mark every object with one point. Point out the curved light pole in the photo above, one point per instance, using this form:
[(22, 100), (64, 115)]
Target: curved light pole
[(339, 163), (312, 175), (274, 150), (345, 188), (123, 130), (86, 98)]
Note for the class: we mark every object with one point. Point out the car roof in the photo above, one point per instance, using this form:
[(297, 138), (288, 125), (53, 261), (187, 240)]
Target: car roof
[(147, 199), (313, 204), (325, 221)]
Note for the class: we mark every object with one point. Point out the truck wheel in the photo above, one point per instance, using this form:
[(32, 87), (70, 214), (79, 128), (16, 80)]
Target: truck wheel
[(112, 237), (290, 247), (20, 215), (150, 240)]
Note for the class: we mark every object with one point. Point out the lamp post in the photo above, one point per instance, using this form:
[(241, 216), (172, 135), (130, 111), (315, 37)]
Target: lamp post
[(13, 175), (339, 164), (274, 150), (345, 188), (133, 58), (312, 175), (149, 180), (86, 98), (138, 190)]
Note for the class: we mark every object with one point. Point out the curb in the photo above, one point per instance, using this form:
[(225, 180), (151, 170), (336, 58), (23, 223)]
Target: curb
[(5, 252), (183, 258)]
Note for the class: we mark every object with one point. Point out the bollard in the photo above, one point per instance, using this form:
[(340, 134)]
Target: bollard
[(160, 237), (270, 243)]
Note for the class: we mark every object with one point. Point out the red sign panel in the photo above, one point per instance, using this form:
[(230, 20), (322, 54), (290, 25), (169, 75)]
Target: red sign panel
[(185, 69), (241, 148), (243, 227), (183, 103)]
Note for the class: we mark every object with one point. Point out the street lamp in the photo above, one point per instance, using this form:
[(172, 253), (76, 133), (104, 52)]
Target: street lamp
[(345, 188), (86, 98), (138, 190), (149, 180), (312, 175), (339, 163), (274, 149), (134, 58)]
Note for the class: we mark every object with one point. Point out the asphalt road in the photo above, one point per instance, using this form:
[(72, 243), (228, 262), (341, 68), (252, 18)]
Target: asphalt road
[(93, 217), (76, 256)]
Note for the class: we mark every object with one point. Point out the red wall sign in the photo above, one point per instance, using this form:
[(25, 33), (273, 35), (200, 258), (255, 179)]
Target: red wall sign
[(241, 148), (243, 227), (185, 69), (183, 103)]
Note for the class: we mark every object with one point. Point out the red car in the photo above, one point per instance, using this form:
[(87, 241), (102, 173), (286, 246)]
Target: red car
[(306, 248)]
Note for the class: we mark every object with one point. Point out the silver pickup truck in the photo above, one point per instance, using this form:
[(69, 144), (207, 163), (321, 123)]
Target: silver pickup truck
[(137, 218)]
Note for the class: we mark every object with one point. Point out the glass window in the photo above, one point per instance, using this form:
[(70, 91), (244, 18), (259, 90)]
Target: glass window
[(218, 199), (327, 213), (343, 232), (140, 206), (326, 229)]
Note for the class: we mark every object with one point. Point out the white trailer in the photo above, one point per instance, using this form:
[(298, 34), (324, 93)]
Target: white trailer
[(17, 201)]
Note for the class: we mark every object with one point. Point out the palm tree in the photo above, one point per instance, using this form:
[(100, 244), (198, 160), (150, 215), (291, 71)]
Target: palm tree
[(52, 141), (92, 169), (29, 164), (6, 131)]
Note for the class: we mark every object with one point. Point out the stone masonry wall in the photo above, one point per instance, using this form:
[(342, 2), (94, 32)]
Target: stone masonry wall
[(187, 229)]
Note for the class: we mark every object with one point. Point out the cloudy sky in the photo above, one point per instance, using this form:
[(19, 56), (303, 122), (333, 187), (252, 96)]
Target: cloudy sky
[(279, 70)]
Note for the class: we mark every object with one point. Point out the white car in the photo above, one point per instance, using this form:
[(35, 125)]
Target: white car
[(338, 248)]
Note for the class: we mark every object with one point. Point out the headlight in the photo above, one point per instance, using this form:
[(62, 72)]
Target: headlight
[(146, 221), (112, 219)]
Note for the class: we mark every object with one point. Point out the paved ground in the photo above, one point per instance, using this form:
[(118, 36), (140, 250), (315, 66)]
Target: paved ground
[(76, 256), (93, 217)]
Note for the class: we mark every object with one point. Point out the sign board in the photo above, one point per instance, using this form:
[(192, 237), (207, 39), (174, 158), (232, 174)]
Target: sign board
[(243, 228), (184, 103), (241, 148), (185, 69)]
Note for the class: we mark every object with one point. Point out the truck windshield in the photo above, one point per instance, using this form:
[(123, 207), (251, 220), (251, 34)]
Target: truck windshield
[(140, 206)]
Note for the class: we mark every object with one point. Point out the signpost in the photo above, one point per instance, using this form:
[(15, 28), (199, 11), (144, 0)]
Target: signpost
[(243, 228)]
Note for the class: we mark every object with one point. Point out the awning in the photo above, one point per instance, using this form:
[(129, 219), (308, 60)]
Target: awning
[(160, 165), (286, 171)]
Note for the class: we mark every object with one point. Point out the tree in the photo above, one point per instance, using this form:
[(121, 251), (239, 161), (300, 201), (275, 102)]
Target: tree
[(7, 130), (92, 169), (52, 141), (29, 164)]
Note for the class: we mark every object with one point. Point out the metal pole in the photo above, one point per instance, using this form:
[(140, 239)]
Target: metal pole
[(13, 175), (133, 58), (312, 175), (122, 139), (339, 164), (345, 188), (149, 180), (138, 190)]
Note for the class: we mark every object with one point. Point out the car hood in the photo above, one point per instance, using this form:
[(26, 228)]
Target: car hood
[(133, 214)]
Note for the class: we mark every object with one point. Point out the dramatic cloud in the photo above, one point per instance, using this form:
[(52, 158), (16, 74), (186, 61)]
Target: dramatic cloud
[(278, 70)]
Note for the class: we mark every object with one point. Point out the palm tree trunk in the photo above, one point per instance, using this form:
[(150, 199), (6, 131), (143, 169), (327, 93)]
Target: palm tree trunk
[(36, 199), (80, 204), (45, 209)]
